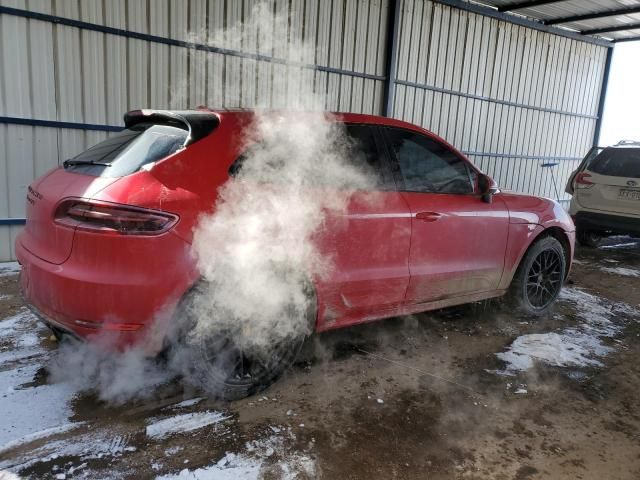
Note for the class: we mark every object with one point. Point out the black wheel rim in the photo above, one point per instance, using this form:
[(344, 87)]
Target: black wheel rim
[(544, 278)]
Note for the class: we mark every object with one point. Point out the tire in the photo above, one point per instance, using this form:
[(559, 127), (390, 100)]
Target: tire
[(587, 238), (218, 366), (539, 277)]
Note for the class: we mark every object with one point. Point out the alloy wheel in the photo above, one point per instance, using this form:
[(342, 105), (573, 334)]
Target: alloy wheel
[(544, 278)]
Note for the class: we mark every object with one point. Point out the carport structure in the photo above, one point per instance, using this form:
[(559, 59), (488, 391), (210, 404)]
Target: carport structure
[(618, 21), (518, 86)]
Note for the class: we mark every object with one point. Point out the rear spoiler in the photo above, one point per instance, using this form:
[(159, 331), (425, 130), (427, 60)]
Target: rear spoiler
[(199, 124)]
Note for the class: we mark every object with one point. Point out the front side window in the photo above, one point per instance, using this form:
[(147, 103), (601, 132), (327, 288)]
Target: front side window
[(428, 166)]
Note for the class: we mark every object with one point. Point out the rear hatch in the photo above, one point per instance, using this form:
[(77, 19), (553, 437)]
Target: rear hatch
[(149, 136), (612, 182), (42, 236)]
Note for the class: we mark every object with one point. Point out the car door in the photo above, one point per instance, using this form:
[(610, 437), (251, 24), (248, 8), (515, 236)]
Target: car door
[(368, 243), (458, 241)]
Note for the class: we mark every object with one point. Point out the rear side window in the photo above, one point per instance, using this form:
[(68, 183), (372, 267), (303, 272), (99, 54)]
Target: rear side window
[(362, 152), (427, 165), (129, 150), (617, 162), (366, 157)]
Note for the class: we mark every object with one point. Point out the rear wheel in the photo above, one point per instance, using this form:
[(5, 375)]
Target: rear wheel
[(539, 278), (227, 363), (588, 238)]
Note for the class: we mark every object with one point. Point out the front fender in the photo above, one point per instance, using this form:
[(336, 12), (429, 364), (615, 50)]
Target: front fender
[(521, 236)]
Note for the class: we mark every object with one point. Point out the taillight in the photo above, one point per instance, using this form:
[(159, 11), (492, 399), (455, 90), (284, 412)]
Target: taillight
[(582, 180), (106, 217)]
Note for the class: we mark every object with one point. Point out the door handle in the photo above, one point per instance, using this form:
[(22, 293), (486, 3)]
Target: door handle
[(428, 216)]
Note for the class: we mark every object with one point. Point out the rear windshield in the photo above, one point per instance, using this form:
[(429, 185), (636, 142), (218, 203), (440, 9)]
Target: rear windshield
[(617, 162), (129, 150)]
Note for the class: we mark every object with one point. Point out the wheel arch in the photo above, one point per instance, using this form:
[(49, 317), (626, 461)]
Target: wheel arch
[(552, 231), (559, 234)]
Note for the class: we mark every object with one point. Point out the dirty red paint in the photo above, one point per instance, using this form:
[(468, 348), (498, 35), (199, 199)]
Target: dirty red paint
[(409, 252)]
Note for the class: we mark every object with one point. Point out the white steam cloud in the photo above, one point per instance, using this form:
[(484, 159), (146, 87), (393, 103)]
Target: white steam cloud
[(258, 252)]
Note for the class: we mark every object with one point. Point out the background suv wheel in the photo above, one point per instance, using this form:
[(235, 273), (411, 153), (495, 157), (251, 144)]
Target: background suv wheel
[(587, 238)]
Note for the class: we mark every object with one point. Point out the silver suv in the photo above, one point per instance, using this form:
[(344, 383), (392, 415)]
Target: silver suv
[(606, 193)]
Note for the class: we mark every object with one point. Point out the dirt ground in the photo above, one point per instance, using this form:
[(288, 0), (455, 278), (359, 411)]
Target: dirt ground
[(471, 393)]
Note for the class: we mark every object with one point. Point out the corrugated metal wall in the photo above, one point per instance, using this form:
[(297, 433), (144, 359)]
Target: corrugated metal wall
[(511, 96)]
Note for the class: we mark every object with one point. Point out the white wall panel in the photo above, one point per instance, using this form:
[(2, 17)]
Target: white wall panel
[(499, 89), (50, 71)]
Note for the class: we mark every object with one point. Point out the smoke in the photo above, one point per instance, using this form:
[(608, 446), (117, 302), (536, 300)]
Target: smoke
[(257, 250), (263, 246), (115, 377)]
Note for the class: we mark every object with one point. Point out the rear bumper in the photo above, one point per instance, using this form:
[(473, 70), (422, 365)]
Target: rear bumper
[(605, 223), (52, 324), (112, 289)]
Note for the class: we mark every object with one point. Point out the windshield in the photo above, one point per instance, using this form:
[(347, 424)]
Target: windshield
[(617, 162), (129, 150)]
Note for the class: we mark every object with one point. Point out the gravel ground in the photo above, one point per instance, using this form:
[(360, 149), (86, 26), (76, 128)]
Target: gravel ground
[(474, 393)]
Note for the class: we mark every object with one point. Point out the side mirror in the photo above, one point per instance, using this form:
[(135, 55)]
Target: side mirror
[(487, 187)]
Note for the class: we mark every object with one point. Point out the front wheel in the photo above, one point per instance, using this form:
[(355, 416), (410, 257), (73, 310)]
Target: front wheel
[(539, 278)]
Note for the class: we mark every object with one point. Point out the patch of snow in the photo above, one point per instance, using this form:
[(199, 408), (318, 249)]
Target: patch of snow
[(173, 450), (32, 437), (252, 464), (187, 403), (184, 423), (4, 475), (27, 408), (560, 350), (623, 271), (92, 445), (20, 337), (230, 467), (9, 268), (30, 409), (580, 346), (621, 245), (17, 322)]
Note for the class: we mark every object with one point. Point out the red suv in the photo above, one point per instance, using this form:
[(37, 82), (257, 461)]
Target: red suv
[(107, 244)]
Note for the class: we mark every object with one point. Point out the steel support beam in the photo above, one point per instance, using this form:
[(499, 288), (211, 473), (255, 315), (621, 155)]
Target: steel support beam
[(591, 16), (7, 222), (33, 122), (616, 28), (391, 55), (523, 21), (603, 96), (630, 39), (520, 5)]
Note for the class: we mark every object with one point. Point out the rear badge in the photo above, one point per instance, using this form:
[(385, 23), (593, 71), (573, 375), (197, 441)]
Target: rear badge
[(632, 183), (35, 193)]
